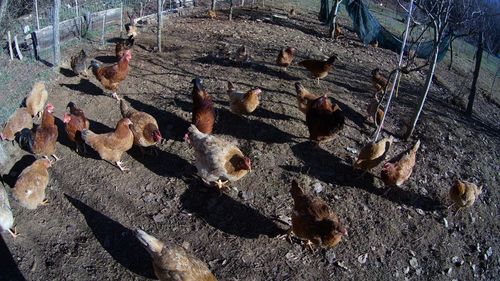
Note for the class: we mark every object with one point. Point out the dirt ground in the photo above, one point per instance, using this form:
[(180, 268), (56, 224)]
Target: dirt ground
[(408, 233)]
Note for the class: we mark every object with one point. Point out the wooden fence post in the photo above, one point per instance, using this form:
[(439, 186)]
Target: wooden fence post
[(121, 18), (160, 23), (79, 23), (104, 25), (10, 45), (36, 15), (55, 32)]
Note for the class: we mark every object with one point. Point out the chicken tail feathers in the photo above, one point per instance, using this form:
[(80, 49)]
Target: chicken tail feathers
[(125, 109), (25, 139), (296, 190), (415, 147), (95, 67)]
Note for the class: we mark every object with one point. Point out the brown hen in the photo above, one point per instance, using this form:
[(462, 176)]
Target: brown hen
[(42, 140), (35, 102), (144, 126), (399, 169), (75, 122), (285, 57), (372, 154), (18, 121), (217, 160), (464, 194), (30, 186), (243, 103), (313, 221), (324, 119), (203, 108), (111, 146), (319, 68), (172, 262), (111, 76), (304, 97)]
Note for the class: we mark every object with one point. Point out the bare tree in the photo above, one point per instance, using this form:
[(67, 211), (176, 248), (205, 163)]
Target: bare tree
[(212, 7), (440, 15), (477, 68)]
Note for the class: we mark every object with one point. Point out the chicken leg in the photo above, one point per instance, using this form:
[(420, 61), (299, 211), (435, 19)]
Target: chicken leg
[(221, 184)]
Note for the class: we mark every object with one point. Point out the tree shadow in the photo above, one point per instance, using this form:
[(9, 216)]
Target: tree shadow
[(351, 114), (163, 117), (11, 178), (264, 113), (10, 271), (117, 240), (226, 214), (67, 72), (329, 168), (85, 86), (228, 123)]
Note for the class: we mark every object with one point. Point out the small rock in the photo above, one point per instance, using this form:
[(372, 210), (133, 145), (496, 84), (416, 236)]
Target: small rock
[(419, 271), (414, 262), (406, 270), (318, 187), (362, 258), (457, 261), (341, 265), (449, 271), (330, 256), (413, 253), (246, 195), (159, 218), (352, 150), (148, 197), (420, 211), (489, 252)]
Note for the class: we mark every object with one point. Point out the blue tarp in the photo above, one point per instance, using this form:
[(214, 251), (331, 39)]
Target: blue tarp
[(369, 29)]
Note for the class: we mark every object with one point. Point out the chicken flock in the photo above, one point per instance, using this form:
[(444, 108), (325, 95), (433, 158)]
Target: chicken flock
[(217, 160)]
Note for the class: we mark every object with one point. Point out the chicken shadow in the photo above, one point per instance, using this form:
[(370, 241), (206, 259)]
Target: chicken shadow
[(351, 114), (256, 66), (226, 214), (85, 86), (228, 123), (329, 168), (163, 117), (106, 59), (163, 163), (117, 240), (261, 112), (11, 178), (67, 72), (10, 271)]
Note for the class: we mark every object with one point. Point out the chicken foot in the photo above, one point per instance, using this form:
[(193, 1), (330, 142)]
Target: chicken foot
[(115, 96), (45, 202), (119, 164), (13, 233), (222, 184)]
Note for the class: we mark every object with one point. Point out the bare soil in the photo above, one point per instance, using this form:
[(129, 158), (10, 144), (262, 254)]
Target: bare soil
[(408, 233)]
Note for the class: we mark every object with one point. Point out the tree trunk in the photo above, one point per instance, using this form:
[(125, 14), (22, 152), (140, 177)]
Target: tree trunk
[(473, 88), (159, 18), (213, 4), (324, 10), (332, 18), (55, 32), (423, 97), (451, 53), (3, 8)]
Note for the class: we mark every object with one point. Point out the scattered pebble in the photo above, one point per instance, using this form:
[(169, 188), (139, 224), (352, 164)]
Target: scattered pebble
[(246, 195), (330, 256), (318, 187), (341, 265), (362, 258), (420, 211), (489, 252), (406, 270), (445, 221), (457, 261), (159, 218), (449, 271), (352, 150), (414, 262)]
